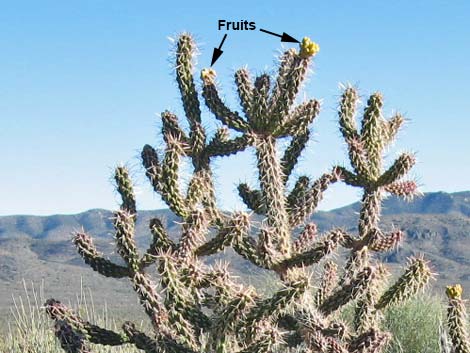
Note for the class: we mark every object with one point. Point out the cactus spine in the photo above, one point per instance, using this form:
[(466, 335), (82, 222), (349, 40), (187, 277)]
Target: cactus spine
[(202, 308)]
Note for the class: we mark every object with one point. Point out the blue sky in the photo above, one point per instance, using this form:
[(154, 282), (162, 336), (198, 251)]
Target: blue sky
[(83, 81)]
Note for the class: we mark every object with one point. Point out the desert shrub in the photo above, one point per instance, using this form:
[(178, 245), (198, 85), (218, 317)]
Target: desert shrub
[(415, 325)]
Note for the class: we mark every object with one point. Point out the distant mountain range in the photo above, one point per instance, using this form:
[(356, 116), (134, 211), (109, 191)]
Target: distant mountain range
[(35, 247)]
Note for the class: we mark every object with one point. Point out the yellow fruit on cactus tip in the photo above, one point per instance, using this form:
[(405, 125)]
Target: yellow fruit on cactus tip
[(308, 48), (454, 292), (208, 74)]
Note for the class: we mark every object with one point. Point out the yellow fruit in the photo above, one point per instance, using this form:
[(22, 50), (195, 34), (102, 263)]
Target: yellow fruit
[(308, 48), (454, 292), (208, 75)]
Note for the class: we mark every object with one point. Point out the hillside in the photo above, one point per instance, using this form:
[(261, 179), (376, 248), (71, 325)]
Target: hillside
[(35, 248)]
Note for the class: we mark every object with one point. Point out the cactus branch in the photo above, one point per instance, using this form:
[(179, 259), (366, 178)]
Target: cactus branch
[(95, 259), (93, 333), (414, 279), (184, 76), (217, 106)]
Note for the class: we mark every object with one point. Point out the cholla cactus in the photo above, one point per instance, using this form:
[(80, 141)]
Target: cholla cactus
[(195, 307), (457, 320)]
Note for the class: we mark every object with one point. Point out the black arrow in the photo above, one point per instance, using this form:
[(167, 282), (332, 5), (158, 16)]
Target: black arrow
[(217, 51), (284, 37)]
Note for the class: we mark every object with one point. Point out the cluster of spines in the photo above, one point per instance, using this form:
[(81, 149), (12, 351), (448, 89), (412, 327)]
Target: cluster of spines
[(200, 300)]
